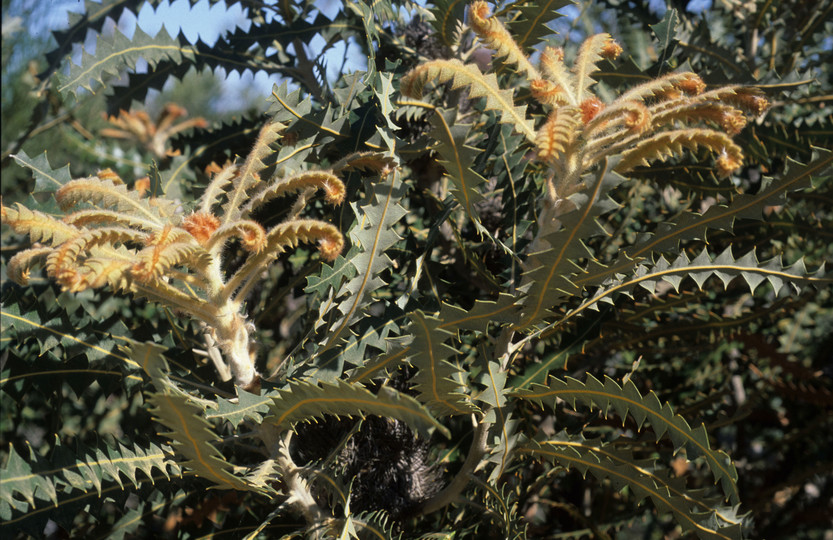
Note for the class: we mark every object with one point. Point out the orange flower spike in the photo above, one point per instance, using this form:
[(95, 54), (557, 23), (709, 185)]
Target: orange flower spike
[(552, 55), (547, 141), (590, 107), (611, 50), (138, 122), (154, 239), (141, 185), (669, 94), (201, 225), (168, 116), (145, 270)]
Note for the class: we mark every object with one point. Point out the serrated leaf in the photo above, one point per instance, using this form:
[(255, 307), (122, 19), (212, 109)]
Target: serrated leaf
[(96, 344), (448, 14), (332, 276), (478, 317), (435, 376), (194, 440), (457, 159), (372, 235), (288, 107), (112, 55), (248, 406), (192, 435), (666, 32), (627, 401), (549, 274), (691, 226), (502, 501), (626, 472), (68, 471), (725, 266), (531, 26), (478, 84), (538, 372), (18, 478), (47, 179), (303, 401)]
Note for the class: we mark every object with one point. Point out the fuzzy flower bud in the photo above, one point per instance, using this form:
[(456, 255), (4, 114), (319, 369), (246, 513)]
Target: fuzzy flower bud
[(637, 118), (611, 50), (547, 92), (201, 225), (590, 107), (692, 85), (727, 164)]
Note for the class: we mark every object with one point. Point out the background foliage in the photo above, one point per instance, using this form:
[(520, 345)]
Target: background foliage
[(681, 353)]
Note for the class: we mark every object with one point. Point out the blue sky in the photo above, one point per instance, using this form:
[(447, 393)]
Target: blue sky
[(202, 21)]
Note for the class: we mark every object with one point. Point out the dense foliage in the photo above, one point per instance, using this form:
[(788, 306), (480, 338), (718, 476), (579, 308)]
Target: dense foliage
[(571, 279)]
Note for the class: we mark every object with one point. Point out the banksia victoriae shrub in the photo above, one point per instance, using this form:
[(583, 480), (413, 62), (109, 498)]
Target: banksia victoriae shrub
[(145, 246), (562, 231)]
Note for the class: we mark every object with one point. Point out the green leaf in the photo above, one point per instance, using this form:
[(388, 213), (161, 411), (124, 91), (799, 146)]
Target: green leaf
[(531, 26), (642, 478), (18, 478), (537, 372), (247, 406), (373, 234), (86, 470), (725, 266), (96, 340), (93, 18), (477, 318), (549, 275), (192, 435), (332, 276), (666, 32), (478, 84), (114, 55), (376, 525), (447, 15), (692, 226), (194, 439), (47, 179), (303, 401), (435, 380), (503, 502), (457, 159), (627, 401)]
